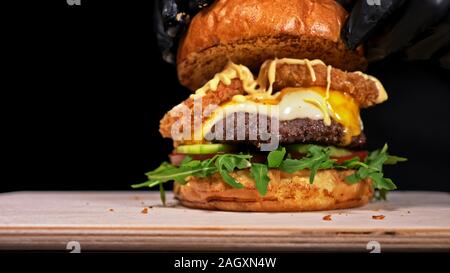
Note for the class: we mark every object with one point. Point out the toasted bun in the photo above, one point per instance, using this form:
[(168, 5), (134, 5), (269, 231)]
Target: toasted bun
[(252, 31), (286, 192)]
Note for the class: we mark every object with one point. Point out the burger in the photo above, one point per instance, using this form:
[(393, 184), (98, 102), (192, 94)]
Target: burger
[(273, 123)]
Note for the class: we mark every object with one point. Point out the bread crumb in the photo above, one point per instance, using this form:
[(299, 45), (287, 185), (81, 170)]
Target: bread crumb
[(327, 217), (144, 210), (378, 217)]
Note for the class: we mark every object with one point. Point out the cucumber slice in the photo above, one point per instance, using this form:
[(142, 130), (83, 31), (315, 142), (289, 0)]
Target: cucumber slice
[(303, 148), (203, 148)]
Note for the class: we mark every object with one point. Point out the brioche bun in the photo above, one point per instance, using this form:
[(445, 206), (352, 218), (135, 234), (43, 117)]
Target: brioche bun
[(286, 192), (252, 31)]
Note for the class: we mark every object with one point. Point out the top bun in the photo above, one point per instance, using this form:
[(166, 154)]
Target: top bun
[(252, 31)]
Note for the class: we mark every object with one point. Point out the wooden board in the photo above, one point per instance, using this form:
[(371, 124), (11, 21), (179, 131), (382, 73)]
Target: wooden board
[(114, 221)]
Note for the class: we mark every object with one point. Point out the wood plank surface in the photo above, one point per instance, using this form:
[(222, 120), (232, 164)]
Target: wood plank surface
[(135, 221)]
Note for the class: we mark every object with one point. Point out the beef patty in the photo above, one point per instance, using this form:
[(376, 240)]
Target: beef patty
[(249, 129)]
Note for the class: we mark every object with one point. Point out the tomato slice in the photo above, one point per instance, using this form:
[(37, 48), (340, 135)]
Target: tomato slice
[(176, 159), (361, 154)]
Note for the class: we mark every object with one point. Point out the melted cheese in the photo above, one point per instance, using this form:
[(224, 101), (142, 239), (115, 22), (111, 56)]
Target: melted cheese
[(344, 110), (294, 103)]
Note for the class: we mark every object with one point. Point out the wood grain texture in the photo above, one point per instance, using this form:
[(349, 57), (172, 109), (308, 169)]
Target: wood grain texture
[(115, 221)]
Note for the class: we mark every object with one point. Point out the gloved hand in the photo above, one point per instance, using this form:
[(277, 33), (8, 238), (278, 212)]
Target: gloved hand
[(420, 29), (171, 18)]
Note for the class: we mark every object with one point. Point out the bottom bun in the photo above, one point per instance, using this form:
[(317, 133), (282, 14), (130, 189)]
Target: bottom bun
[(286, 192)]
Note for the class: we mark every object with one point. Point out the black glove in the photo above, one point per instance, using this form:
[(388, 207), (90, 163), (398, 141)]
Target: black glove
[(420, 29), (171, 18)]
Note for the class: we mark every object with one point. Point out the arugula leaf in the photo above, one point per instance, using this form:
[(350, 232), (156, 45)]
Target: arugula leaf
[(227, 163), (206, 168), (177, 174), (381, 182), (317, 158), (275, 157), (353, 179), (149, 183), (380, 194), (392, 159), (224, 164), (259, 172), (163, 166), (235, 161), (293, 165), (352, 164), (376, 163), (186, 159), (162, 194), (230, 180), (373, 169), (167, 172)]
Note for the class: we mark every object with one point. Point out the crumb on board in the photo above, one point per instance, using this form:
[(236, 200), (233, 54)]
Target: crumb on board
[(144, 210), (378, 217), (111, 209), (327, 217)]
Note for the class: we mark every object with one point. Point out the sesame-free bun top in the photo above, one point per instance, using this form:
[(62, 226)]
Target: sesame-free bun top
[(252, 31)]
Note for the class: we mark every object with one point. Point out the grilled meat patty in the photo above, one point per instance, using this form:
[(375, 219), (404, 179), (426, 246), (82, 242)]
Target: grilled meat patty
[(303, 130)]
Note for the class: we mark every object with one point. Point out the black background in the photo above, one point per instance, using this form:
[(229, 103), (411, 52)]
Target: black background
[(84, 89)]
